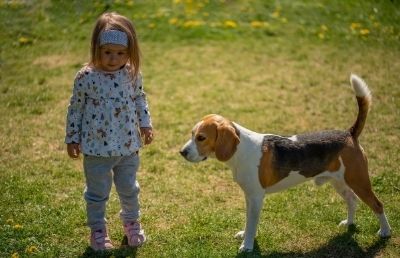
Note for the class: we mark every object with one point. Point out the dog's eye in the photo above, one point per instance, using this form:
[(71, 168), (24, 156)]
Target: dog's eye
[(200, 138)]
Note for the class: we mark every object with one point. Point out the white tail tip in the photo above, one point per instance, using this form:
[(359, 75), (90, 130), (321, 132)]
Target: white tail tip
[(360, 87)]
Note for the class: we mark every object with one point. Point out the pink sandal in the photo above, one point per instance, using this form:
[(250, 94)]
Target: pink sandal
[(134, 233), (99, 240)]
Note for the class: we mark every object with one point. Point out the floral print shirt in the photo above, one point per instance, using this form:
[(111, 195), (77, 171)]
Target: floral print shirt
[(106, 111)]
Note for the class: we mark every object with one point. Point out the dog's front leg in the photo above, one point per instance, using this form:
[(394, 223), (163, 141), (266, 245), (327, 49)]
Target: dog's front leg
[(253, 209)]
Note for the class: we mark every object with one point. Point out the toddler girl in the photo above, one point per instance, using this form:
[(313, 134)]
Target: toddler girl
[(107, 118)]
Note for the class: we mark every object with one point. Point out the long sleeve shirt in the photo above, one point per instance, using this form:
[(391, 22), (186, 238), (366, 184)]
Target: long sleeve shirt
[(106, 111)]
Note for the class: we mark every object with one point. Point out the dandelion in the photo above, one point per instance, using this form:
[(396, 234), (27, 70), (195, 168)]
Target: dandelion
[(18, 226), (31, 249), (24, 40), (257, 24), (230, 24), (355, 26), (173, 21), (151, 25), (283, 20), (321, 35), (192, 23), (15, 255), (364, 32), (129, 3), (276, 14)]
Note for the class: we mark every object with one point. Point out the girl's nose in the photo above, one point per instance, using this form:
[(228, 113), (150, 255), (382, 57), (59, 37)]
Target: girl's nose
[(112, 57)]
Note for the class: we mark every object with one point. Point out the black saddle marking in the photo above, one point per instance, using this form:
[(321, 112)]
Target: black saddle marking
[(309, 154)]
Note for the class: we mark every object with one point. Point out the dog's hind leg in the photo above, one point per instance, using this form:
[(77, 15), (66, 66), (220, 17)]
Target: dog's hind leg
[(365, 193), (357, 179), (350, 198)]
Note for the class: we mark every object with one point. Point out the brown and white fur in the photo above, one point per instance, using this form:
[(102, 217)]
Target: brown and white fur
[(266, 163)]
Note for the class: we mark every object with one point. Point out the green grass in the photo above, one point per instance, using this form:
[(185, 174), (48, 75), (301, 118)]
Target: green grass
[(273, 66)]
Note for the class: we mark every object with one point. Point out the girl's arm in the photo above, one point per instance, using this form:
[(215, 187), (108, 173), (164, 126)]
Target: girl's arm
[(141, 104), (75, 111)]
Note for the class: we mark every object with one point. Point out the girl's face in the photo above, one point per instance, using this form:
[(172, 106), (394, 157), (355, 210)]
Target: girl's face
[(113, 57)]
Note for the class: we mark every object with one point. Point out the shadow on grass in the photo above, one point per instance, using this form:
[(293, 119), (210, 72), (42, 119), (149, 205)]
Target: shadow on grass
[(343, 245), (123, 251)]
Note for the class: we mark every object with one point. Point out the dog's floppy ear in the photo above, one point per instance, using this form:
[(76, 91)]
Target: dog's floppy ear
[(226, 143)]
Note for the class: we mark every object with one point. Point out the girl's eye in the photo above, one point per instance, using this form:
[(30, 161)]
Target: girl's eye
[(200, 138), (107, 52)]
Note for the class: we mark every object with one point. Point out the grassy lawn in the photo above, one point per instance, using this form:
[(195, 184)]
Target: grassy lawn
[(276, 66)]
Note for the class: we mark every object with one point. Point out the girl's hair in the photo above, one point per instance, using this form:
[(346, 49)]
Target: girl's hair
[(114, 21)]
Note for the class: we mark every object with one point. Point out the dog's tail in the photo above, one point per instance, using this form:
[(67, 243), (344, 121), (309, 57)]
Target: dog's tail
[(364, 100)]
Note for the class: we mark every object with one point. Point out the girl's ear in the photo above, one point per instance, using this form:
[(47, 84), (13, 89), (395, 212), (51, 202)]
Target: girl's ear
[(226, 143)]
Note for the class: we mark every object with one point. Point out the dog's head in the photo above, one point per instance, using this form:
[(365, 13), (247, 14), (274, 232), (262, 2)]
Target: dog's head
[(213, 136)]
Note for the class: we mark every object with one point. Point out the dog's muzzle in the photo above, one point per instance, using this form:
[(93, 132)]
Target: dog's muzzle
[(190, 153)]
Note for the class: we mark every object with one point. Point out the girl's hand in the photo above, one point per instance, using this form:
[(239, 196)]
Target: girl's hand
[(73, 149), (147, 134)]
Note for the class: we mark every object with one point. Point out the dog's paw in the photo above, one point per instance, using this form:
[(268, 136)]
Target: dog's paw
[(239, 235), (244, 249), (384, 233), (345, 223)]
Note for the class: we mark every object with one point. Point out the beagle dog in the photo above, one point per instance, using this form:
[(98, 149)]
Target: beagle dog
[(267, 163)]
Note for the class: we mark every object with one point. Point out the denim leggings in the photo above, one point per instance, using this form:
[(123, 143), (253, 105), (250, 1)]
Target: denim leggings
[(99, 173)]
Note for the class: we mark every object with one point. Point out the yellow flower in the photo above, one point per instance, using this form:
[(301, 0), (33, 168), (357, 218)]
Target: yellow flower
[(283, 20), (31, 249), (324, 28), (129, 3), (193, 23), (18, 226), (24, 40), (321, 35), (355, 25), (364, 32), (276, 14), (151, 25), (257, 24), (230, 24), (173, 21)]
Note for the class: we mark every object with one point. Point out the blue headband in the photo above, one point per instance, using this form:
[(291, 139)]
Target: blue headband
[(113, 37)]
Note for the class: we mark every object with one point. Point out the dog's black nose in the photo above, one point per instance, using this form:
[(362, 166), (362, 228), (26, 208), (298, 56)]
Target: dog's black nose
[(183, 153)]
